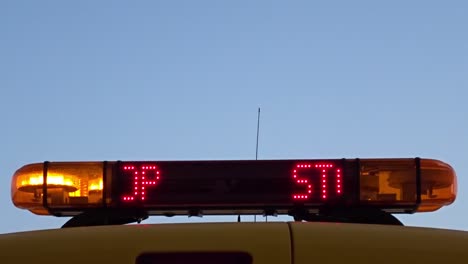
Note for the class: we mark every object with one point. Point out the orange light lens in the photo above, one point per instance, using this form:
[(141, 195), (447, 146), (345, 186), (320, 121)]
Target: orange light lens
[(387, 181), (80, 184), (438, 185), (69, 185), (26, 188)]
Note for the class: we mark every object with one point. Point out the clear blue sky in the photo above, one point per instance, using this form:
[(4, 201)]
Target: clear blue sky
[(178, 80)]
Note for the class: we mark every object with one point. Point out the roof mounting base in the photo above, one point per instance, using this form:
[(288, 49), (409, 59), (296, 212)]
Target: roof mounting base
[(106, 217), (347, 215), (358, 215)]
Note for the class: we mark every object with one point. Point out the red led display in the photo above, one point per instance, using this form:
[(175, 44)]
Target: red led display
[(218, 183), (143, 177), (326, 170), (338, 181), (302, 181)]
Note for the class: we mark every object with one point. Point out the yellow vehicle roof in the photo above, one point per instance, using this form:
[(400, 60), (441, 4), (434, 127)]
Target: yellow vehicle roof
[(297, 242)]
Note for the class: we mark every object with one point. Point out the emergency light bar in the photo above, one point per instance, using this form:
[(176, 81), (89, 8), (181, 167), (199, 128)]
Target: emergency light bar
[(234, 187)]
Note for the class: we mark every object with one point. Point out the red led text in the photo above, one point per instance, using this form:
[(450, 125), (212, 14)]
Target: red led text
[(143, 178), (326, 170)]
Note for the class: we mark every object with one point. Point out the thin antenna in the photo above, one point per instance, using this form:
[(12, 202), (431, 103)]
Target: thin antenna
[(258, 132), (256, 147)]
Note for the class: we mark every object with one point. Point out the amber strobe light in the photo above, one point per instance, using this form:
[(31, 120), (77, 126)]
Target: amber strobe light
[(234, 187)]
